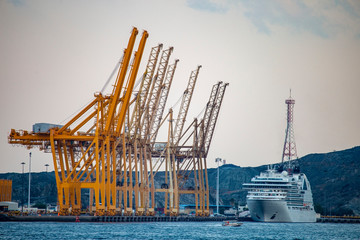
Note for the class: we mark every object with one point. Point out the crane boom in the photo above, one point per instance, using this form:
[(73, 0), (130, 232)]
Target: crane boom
[(185, 103), (131, 83), (210, 106), (120, 81), (153, 101), (162, 100), (211, 116), (144, 90)]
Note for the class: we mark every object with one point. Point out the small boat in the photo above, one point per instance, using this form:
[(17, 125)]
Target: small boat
[(232, 224)]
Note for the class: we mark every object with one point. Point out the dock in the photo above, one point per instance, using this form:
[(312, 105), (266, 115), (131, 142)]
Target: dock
[(85, 218), (337, 219), (49, 218)]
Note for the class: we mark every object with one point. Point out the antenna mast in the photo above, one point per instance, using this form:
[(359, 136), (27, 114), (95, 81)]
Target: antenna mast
[(289, 152)]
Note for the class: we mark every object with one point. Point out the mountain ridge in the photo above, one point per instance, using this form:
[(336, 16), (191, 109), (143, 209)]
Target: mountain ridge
[(334, 179)]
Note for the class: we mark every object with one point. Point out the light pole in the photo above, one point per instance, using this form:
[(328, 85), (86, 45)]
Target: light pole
[(46, 165), (22, 176), (217, 160), (29, 179)]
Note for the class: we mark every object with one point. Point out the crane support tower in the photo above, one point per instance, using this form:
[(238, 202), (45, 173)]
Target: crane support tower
[(110, 147)]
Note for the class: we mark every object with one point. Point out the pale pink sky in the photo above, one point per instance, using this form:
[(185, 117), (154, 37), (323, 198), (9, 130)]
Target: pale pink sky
[(56, 54)]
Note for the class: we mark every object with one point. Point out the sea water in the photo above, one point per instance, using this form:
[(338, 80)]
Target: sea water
[(177, 230)]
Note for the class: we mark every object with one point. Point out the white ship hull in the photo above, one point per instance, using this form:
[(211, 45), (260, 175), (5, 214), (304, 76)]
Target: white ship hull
[(263, 210)]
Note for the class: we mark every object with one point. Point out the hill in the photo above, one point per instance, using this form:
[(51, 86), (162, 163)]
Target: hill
[(334, 178)]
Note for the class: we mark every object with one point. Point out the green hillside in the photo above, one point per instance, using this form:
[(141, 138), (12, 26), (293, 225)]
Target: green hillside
[(334, 178)]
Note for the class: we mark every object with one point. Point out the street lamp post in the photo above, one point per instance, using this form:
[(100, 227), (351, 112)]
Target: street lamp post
[(217, 160), (22, 176), (29, 179)]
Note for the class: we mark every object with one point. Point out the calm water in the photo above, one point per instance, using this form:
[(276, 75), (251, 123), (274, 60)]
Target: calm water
[(177, 230)]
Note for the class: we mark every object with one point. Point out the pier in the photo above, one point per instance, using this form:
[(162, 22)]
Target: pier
[(84, 218), (48, 218), (339, 219)]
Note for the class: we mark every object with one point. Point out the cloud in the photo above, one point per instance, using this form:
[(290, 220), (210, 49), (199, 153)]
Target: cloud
[(293, 15), (16, 2), (207, 5), (326, 19), (350, 6)]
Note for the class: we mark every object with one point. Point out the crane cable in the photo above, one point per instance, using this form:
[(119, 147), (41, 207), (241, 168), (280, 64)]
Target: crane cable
[(177, 102), (111, 75), (76, 111), (202, 111), (139, 80), (102, 90)]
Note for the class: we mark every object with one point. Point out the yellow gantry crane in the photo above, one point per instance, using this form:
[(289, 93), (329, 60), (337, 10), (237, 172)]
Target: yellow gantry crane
[(110, 147), (172, 169), (191, 156), (87, 158)]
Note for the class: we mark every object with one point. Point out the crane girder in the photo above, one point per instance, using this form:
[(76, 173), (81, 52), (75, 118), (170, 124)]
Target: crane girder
[(162, 100), (154, 95), (131, 83), (211, 115), (210, 106), (185, 103), (144, 90), (120, 81)]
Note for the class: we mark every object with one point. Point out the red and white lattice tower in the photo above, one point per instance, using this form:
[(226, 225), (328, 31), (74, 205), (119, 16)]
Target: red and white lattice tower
[(289, 152)]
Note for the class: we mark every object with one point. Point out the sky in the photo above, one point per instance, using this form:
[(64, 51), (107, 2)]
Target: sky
[(56, 54)]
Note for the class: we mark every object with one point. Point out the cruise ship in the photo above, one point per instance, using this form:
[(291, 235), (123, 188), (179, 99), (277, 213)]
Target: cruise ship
[(280, 196)]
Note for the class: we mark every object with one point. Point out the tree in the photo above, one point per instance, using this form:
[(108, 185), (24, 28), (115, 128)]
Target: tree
[(39, 205), (318, 208)]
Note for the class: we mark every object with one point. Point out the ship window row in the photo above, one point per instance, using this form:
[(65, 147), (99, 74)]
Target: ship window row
[(277, 179), (268, 190), (269, 184), (281, 192), (299, 203), (267, 187), (265, 181), (268, 194), (295, 198), (295, 195), (301, 208), (295, 204)]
